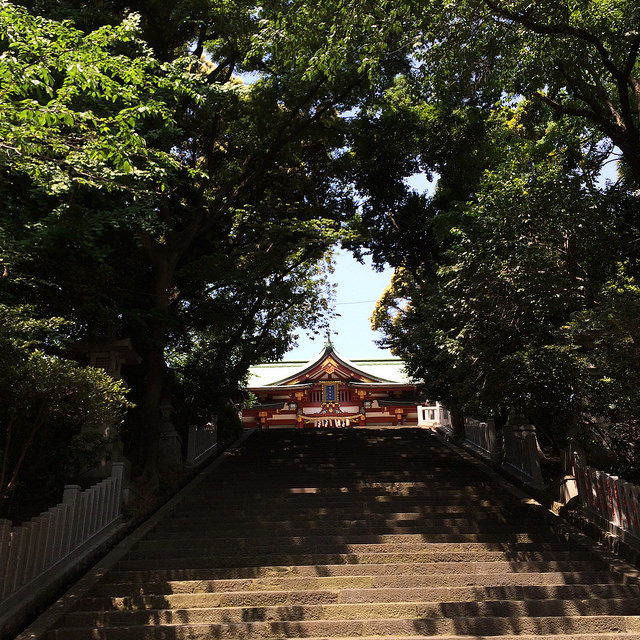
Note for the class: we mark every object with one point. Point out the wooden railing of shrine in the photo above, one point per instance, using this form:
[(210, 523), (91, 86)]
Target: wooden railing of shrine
[(611, 500)]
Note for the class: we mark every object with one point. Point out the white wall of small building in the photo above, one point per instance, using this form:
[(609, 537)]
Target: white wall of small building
[(434, 415)]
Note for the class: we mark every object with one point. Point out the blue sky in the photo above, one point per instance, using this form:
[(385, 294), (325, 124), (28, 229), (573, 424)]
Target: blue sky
[(359, 288)]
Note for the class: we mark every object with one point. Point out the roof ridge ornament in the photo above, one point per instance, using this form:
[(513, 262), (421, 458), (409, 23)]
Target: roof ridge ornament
[(328, 344)]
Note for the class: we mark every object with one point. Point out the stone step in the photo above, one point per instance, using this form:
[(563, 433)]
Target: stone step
[(363, 507), (182, 526), (400, 541), (326, 519), (137, 584), (213, 531), (367, 534), (382, 627), (440, 543), (277, 557), (294, 509), (359, 611), (591, 636), (314, 518), (291, 597), (479, 569), (309, 480), (315, 477), (347, 488), (348, 500), (381, 503), (331, 492)]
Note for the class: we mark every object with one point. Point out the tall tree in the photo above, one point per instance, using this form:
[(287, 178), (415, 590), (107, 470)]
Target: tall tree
[(249, 190), (510, 312), (470, 270), (70, 105)]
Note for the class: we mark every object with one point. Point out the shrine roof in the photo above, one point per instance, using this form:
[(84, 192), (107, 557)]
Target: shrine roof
[(375, 370), (267, 374)]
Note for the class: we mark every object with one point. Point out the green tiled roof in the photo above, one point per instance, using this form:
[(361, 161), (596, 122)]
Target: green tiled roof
[(388, 369)]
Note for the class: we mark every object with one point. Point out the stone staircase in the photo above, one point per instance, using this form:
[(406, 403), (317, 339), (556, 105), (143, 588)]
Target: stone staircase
[(361, 533)]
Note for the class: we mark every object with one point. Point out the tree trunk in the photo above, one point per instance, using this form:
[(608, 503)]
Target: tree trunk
[(457, 424), (146, 441), (631, 154)]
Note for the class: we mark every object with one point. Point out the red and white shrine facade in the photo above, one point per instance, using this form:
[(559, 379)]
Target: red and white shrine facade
[(331, 391)]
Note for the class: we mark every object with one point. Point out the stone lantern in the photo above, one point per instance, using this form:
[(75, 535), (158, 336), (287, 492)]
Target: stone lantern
[(110, 355), (170, 441)]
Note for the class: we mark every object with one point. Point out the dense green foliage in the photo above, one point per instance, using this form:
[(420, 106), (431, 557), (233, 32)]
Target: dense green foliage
[(70, 102), (185, 189), (48, 404), (516, 280), (177, 171)]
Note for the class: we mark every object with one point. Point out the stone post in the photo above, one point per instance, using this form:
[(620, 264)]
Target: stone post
[(521, 450), (170, 443), (492, 439), (70, 498), (5, 538)]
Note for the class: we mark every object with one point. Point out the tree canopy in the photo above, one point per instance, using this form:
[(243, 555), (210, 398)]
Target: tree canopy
[(501, 272), (186, 189), (177, 172)]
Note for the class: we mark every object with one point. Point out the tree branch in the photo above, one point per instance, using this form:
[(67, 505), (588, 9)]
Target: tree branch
[(562, 29), (607, 127)]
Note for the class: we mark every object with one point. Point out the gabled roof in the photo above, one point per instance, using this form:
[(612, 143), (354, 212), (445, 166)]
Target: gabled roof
[(328, 365)]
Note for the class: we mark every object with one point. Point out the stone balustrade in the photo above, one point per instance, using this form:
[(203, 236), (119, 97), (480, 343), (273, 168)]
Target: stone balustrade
[(481, 436), (519, 450), (202, 442), (612, 501), (32, 553)]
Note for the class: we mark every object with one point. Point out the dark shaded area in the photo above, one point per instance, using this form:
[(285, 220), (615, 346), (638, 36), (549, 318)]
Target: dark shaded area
[(353, 532)]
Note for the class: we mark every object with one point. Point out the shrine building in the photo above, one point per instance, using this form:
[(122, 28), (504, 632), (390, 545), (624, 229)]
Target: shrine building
[(331, 391)]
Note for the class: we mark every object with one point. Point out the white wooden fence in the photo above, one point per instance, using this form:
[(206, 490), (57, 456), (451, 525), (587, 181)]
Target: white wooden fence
[(30, 550), (521, 454), (481, 436), (434, 415), (202, 442), (610, 498)]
